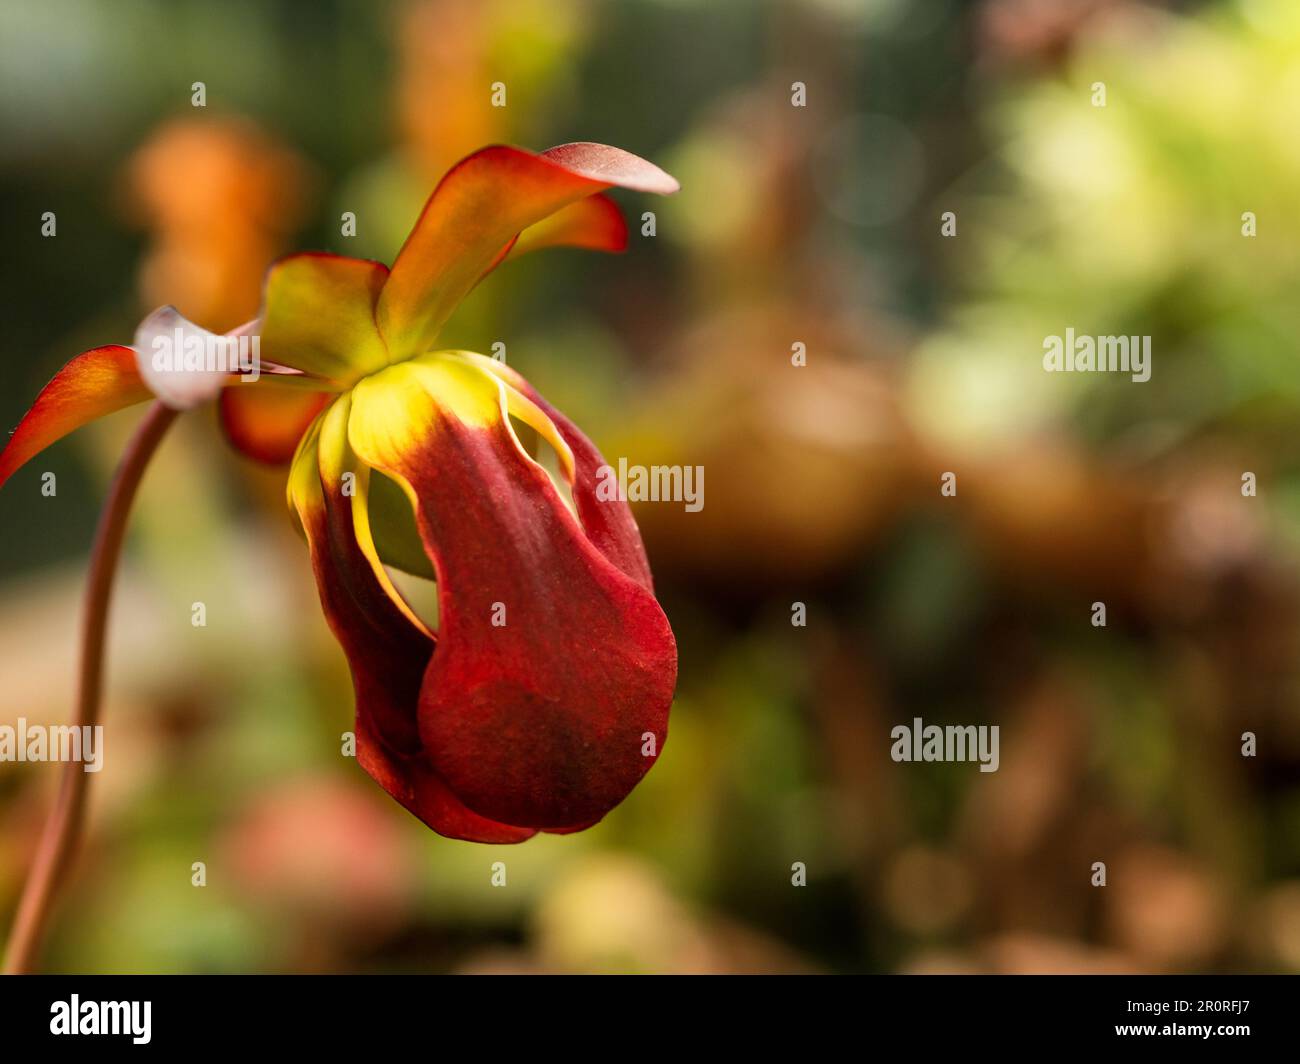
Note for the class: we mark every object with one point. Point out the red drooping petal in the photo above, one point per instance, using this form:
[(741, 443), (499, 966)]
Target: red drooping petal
[(95, 383), (265, 422), (547, 699), (608, 523), (387, 653), (482, 204)]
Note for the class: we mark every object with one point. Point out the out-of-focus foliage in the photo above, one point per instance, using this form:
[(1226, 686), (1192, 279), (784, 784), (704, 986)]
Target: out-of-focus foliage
[(818, 226), (1129, 218)]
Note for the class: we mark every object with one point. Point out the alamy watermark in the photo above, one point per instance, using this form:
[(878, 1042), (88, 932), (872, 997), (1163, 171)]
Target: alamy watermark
[(953, 742), (1098, 354), (659, 483), (193, 351), (77, 1017), (53, 742)]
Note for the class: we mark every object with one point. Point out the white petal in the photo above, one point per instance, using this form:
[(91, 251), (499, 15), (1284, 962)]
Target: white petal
[(161, 345)]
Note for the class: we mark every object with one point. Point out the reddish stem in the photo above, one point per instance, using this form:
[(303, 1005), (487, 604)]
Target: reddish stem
[(62, 830)]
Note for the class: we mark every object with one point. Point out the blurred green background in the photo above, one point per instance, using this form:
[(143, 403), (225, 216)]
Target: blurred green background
[(817, 225)]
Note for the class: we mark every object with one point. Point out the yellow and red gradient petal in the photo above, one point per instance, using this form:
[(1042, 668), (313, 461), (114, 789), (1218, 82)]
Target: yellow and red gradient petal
[(340, 469), (544, 720), (265, 421), (95, 383), (594, 223), (482, 204), (318, 316), (387, 654), (609, 524)]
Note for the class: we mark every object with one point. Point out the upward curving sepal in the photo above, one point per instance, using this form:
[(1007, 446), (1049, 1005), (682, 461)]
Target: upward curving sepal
[(476, 212)]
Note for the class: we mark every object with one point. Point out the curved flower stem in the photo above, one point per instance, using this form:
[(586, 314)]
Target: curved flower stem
[(59, 839)]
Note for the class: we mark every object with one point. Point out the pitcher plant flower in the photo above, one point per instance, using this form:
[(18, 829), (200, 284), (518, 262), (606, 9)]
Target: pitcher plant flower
[(538, 696)]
